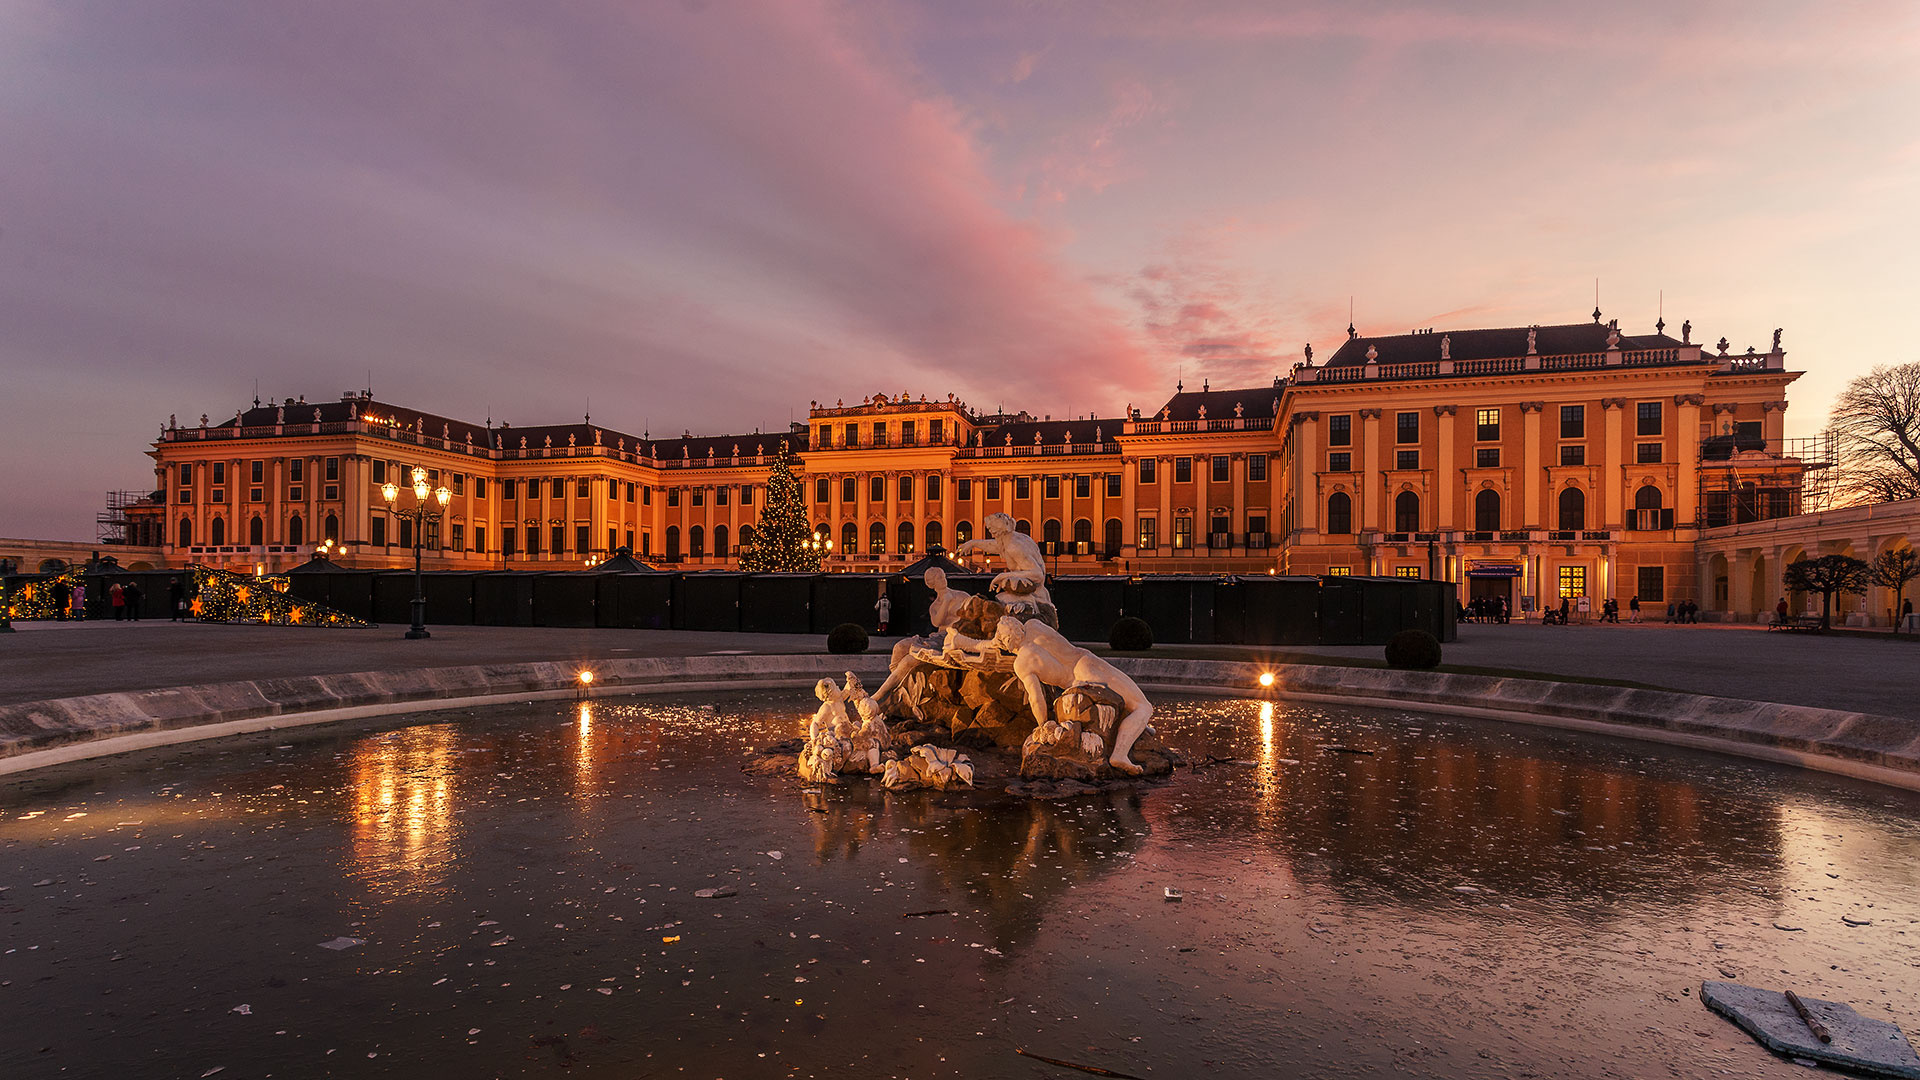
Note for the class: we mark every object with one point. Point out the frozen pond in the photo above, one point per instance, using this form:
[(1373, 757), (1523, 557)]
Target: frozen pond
[(1468, 899)]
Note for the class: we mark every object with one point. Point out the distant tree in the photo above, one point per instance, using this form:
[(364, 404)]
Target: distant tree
[(1827, 575), (1876, 432), (1893, 570), (781, 540)]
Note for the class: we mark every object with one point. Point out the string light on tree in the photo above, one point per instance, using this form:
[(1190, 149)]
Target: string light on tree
[(784, 541)]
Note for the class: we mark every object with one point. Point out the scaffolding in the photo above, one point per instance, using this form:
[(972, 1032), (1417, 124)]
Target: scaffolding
[(1747, 478), (113, 526)]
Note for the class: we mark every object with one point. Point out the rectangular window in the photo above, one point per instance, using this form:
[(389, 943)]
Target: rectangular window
[(1573, 421), (459, 534), (1647, 453), (186, 495), (333, 468), (479, 487), (582, 489), (933, 487), (510, 490), (699, 495), (1573, 454), (1747, 434), (1406, 460), (1340, 430), (558, 540), (612, 541), (331, 493), (721, 494), (257, 472), (297, 470), (1222, 468), (1053, 487), (993, 489), (1182, 470), (1182, 533), (1256, 530), (295, 494), (1406, 427), (1486, 425), (1339, 571), (1256, 468), (963, 490), (1149, 534), (1406, 571), (849, 490), (533, 540), (880, 434), (746, 494), (379, 532), (877, 488), (1022, 487), (219, 472), (822, 490), (646, 495), (936, 431), (253, 494), (852, 435), (1083, 487), (1486, 457), (1219, 531), (1146, 470), (907, 431), (1340, 461), (906, 487), (480, 539), (582, 540), (630, 488), (459, 484), (1648, 419), (433, 478), (673, 496), (1651, 584), (1573, 581), (557, 488), (186, 475), (218, 494), (1113, 485)]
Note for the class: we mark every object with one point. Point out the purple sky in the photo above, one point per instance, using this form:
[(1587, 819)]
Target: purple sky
[(707, 214)]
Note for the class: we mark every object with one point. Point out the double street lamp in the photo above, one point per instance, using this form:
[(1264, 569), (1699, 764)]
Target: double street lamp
[(420, 514)]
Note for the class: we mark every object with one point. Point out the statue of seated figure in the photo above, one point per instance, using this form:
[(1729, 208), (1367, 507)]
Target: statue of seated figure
[(1023, 584), (1041, 658)]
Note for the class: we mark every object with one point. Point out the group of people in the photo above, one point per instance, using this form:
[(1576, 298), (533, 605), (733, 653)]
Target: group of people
[(1485, 609), (123, 599)]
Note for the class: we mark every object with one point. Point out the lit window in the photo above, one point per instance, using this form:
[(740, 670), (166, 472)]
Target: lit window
[(1486, 425), (1573, 581)]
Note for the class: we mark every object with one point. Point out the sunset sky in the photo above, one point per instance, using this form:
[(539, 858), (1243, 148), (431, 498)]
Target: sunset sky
[(706, 214)]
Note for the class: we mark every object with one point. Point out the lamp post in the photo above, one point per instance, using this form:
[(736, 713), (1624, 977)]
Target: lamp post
[(420, 513)]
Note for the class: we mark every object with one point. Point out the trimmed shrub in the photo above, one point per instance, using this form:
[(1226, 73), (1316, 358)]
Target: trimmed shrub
[(1131, 635), (849, 638), (1415, 649)]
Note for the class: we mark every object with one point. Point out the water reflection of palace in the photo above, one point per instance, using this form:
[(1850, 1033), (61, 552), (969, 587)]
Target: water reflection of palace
[(1524, 816), (402, 838)]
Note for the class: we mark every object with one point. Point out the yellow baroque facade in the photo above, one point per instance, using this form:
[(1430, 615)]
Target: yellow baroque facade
[(1521, 462)]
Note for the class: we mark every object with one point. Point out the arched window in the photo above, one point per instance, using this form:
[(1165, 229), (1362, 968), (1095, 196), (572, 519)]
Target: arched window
[(296, 531), (696, 542), (746, 536), (719, 541), (849, 538), (1573, 509), (333, 528), (1082, 536), (935, 535), (184, 537), (256, 531), (823, 531), (877, 538), (1339, 513), (906, 537), (1406, 512), (1486, 510), (1647, 498), (1023, 525), (1648, 514), (1050, 532), (217, 535), (962, 531), (673, 543), (1113, 538)]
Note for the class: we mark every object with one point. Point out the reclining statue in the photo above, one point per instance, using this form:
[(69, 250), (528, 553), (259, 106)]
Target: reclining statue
[(1041, 657)]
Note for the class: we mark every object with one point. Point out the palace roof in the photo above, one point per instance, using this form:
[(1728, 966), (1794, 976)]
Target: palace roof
[(1254, 401), (1424, 347)]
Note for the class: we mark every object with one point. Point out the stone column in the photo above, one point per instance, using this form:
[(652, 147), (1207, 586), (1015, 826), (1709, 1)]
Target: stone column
[(1237, 525), (1066, 514), (1129, 501), (1305, 472), (1686, 496), (1613, 466), (1533, 478), (862, 509), (1446, 470), (277, 501), (892, 493), (1370, 482), (356, 479), (948, 519), (1163, 474), (1202, 504), (920, 509)]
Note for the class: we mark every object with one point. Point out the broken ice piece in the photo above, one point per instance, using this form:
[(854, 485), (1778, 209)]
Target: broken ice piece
[(776, 854), (342, 943), (243, 1010), (715, 894), (1174, 895)]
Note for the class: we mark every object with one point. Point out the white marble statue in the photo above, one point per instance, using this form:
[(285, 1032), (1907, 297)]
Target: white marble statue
[(1042, 658), (929, 766), (945, 611), (1023, 584), (847, 734)]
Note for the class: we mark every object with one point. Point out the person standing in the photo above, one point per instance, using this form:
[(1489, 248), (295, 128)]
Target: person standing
[(133, 601), (117, 598), (885, 608), (1780, 611), (176, 599), (62, 597), (80, 600), (1633, 608)]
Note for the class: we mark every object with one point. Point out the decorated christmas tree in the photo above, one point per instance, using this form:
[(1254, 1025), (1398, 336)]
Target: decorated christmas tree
[(782, 541)]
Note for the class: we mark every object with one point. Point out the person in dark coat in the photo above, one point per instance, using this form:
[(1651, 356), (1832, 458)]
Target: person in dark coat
[(62, 597), (176, 598), (133, 600)]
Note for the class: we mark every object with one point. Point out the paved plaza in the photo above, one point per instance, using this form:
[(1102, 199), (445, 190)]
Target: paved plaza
[(1855, 672)]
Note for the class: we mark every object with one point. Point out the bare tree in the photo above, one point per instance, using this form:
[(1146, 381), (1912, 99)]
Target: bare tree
[(1827, 575), (1876, 427), (1893, 570)]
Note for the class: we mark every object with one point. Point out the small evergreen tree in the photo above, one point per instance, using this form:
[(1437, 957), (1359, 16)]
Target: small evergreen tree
[(782, 539), (1827, 575), (1893, 570)]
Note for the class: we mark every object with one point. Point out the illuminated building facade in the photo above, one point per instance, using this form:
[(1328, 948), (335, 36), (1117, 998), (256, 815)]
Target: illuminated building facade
[(1526, 463)]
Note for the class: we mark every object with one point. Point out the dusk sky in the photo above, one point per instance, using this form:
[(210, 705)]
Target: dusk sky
[(705, 215)]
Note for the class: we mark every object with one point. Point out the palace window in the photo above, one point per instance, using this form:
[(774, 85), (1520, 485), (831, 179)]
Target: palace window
[(219, 472), (933, 486), (1149, 534), (849, 538), (1573, 454), (993, 488), (672, 541), (1573, 581), (1053, 487), (1486, 457), (333, 468), (1182, 533), (378, 532), (963, 490), (1339, 571), (331, 529), (1647, 453), (719, 541), (1486, 511), (746, 494), (1406, 571), (582, 488), (876, 488), (1050, 535), (722, 494), (962, 531), (1406, 460), (851, 437), (533, 540), (257, 472), (556, 488), (1022, 487), (583, 539), (906, 433), (822, 490), (458, 532), (673, 496), (1573, 509), (1340, 461), (936, 431), (1648, 419), (1113, 485), (558, 538), (480, 538), (877, 538), (1652, 581), (1406, 512), (1573, 421), (1339, 513), (849, 489), (1222, 468), (696, 542), (1083, 487), (1340, 430), (935, 535), (1146, 470), (1256, 468), (459, 484), (906, 487), (1182, 470), (479, 487), (296, 470), (1406, 427), (699, 495), (1486, 425), (880, 433), (510, 490), (646, 495)]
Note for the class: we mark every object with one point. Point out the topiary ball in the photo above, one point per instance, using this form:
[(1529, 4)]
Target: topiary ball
[(1131, 635), (1414, 649), (847, 638)]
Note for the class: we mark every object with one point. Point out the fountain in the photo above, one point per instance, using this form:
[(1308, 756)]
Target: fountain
[(994, 693)]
